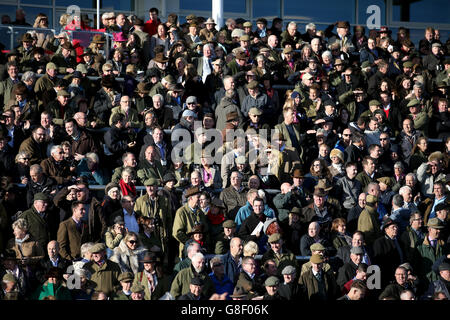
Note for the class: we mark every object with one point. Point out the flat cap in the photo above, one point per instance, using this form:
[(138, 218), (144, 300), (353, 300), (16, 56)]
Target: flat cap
[(241, 56), (51, 66), (296, 210), (192, 191), (436, 44), (189, 113), (255, 111), (191, 99), (374, 103), (137, 287), (444, 266), (247, 24), (413, 103), (41, 196), (245, 37), (232, 116), (307, 76), (317, 247), (82, 68), (365, 64), (229, 224), (408, 64), (274, 238), (197, 281), (151, 182), (125, 277), (356, 250), (98, 247), (287, 50), (316, 258), (63, 93), (288, 270), (271, 281), (436, 156)]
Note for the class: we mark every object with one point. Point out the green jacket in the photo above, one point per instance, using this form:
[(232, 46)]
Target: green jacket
[(37, 226), (133, 117), (180, 284), (347, 99), (162, 209), (311, 285), (43, 84), (105, 276), (161, 288), (48, 289), (146, 171), (282, 260), (185, 221), (120, 295), (63, 64), (369, 225), (6, 90), (421, 122), (428, 257)]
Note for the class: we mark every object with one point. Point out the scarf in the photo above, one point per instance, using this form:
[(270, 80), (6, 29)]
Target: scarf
[(216, 219), (127, 189), (20, 241)]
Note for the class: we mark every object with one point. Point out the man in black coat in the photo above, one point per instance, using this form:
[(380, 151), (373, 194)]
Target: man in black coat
[(252, 221), (388, 251), (195, 290), (39, 182), (355, 152), (117, 140), (348, 270), (290, 289), (343, 253), (52, 260)]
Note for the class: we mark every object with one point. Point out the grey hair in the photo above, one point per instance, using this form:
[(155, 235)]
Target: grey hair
[(191, 247), (327, 54), (209, 45), (229, 21), (251, 248), (21, 154), (36, 168), (160, 96), (310, 26), (20, 223), (198, 255), (260, 57), (83, 273), (403, 189), (129, 170), (54, 148), (413, 175), (398, 164), (28, 75), (315, 40), (85, 247), (292, 23), (92, 156)]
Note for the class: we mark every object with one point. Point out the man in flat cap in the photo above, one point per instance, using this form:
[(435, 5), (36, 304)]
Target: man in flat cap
[(187, 217), (155, 206), (272, 285), (104, 272), (431, 249), (238, 64), (223, 239), (195, 290), (42, 221), (343, 36), (442, 284), (289, 287), (278, 253), (319, 285), (9, 288), (257, 99), (124, 293), (348, 270), (368, 220), (46, 82)]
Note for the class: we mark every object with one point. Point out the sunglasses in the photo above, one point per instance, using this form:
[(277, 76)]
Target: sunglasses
[(132, 241), (347, 135), (25, 158)]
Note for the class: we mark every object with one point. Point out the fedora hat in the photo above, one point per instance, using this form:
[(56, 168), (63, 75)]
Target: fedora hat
[(150, 257), (192, 191), (232, 116), (142, 87), (199, 228), (27, 37), (238, 292), (319, 192), (210, 21), (343, 24), (98, 38), (67, 46), (324, 184), (435, 223)]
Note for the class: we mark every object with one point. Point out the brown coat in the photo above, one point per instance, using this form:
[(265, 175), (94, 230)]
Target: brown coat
[(30, 250), (311, 285), (60, 172), (37, 151), (70, 239), (84, 144)]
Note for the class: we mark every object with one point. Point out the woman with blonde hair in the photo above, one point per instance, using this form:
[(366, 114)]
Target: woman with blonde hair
[(27, 250), (129, 252)]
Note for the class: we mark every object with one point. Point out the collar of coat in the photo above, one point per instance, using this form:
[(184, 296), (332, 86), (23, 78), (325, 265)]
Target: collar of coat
[(427, 243)]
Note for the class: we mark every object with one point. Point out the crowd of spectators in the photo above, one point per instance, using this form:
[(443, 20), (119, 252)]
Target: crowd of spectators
[(219, 157)]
